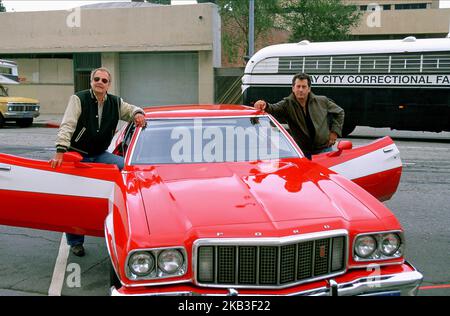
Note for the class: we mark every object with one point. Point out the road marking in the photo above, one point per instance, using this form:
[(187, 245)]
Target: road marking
[(435, 287), (60, 268)]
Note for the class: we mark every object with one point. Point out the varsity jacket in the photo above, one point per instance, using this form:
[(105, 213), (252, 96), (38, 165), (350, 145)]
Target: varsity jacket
[(83, 131)]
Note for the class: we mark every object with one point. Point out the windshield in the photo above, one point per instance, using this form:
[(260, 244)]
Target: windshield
[(203, 140)]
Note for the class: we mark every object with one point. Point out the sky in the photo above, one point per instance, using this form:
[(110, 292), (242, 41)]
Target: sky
[(22, 5)]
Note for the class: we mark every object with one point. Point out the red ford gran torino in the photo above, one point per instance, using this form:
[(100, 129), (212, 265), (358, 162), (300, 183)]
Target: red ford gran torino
[(219, 200)]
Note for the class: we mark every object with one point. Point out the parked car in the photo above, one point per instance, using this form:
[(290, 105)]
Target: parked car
[(17, 109), (219, 200)]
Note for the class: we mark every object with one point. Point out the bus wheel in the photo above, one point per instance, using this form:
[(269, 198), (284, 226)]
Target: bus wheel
[(348, 129), (25, 122)]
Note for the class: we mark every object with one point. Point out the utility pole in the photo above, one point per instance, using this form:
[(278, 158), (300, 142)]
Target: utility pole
[(251, 29)]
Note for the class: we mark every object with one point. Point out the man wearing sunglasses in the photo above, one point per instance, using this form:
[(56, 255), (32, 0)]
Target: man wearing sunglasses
[(88, 126)]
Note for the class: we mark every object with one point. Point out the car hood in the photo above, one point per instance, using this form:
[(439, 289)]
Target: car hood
[(18, 100), (183, 197)]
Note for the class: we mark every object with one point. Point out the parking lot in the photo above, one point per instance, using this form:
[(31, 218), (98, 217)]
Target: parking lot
[(37, 262)]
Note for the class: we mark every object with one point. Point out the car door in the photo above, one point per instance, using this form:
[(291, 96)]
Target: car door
[(73, 198), (376, 167)]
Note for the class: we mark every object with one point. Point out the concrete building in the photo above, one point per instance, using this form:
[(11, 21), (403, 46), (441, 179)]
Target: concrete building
[(157, 54), (388, 5), (391, 19)]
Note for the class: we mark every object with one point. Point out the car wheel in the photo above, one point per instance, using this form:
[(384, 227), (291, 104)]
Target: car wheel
[(113, 278), (2, 121), (25, 122)]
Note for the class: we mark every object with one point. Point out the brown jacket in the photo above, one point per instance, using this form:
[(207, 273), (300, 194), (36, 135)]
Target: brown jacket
[(326, 116)]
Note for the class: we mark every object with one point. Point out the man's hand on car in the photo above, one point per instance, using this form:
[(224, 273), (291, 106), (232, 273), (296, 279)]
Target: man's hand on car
[(333, 138), (57, 160), (260, 105), (139, 120)]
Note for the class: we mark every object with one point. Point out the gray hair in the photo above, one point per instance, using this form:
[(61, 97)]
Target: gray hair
[(101, 69)]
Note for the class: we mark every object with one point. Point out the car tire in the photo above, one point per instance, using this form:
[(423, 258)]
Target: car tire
[(2, 121), (113, 278), (24, 122)]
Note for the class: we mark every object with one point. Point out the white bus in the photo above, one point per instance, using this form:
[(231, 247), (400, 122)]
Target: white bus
[(401, 84), (8, 72)]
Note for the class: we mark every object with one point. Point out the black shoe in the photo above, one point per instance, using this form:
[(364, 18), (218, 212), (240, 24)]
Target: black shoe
[(78, 250)]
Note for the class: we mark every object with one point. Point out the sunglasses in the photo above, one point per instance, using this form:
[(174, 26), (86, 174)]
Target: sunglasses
[(97, 79)]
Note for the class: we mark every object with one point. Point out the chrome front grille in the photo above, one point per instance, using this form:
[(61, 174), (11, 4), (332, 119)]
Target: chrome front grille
[(272, 263), (22, 107)]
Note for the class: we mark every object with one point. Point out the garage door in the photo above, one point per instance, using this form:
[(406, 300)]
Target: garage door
[(159, 78)]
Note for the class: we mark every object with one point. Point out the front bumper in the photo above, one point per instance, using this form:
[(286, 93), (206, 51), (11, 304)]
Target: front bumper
[(401, 280), (20, 115)]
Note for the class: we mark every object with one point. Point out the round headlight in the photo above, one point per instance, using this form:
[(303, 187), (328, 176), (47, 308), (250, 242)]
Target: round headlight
[(390, 243), (141, 263), (365, 246), (170, 261)]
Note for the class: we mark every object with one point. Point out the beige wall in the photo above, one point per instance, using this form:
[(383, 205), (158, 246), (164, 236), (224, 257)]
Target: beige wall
[(405, 22), (45, 71), (110, 31), (111, 61), (430, 3), (411, 22), (159, 28), (53, 98), (51, 80), (48, 80)]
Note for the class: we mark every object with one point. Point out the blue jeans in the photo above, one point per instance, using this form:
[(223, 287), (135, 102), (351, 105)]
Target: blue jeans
[(325, 150), (107, 158), (104, 157)]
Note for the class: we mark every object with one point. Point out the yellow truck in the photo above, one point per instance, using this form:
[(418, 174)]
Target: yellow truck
[(19, 109)]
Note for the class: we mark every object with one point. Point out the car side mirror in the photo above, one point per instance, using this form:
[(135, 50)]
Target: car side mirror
[(342, 145), (75, 158), (72, 157)]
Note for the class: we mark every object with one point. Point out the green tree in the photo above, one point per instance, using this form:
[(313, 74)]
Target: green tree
[(319, 20), (235, 24), (2, 8)]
